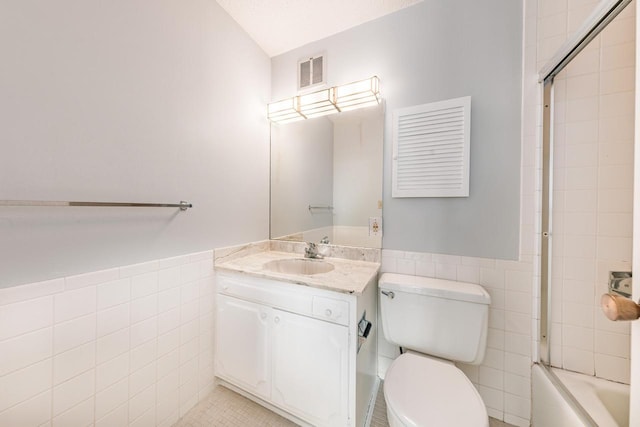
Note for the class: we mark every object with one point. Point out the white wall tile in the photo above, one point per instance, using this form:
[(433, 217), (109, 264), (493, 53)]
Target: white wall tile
[(112, 397), (142, 378), (144, 284), (168, 341), (172, 261), (612, 344), (188, 396), (73, 362), (406, 266), (80, 415), (189, 331), (517, 323), (517, 364), (143, 354), (425, 269), (76, 303), (24, 384), (189, 272), (113, 293), (30, 291), (112, 319), (147, 419), (188, 370), (491, 377), (168, 299), (167, 364), (517, 344), (446, 271), (168, 320), (117, 417), (137, 269), (139, 403), (518, 406), (112, 345), (27, 316), (517, 385), (189, 349), (73, 333), (491, 397), (613, 368), (33, 412), (24, 350), (88, 351), (519, 302), (144, 331), (112, 371), (90, 279), (189, 311), (72, 392), (143, 308), (168, 278), (189, 292), (578, 360), (168, 393)]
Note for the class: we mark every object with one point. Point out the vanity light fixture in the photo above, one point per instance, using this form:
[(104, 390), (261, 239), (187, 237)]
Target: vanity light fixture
[(364, 93), (285, 111), (360, 94)]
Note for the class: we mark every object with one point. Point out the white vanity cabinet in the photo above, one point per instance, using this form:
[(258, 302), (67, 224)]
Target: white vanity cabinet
[(310, 366), (292, 346)]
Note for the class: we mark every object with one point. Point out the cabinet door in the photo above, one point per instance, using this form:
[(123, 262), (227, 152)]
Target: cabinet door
[(310, 368), (242, 344)]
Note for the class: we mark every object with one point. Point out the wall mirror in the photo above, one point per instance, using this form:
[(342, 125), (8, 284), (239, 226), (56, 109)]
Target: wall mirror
[(326, 178)]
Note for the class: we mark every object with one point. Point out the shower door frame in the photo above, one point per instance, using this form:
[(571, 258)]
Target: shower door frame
[(601, 17)]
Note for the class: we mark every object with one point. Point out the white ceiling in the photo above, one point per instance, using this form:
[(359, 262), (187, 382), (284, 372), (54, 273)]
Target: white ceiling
[(281, 25)]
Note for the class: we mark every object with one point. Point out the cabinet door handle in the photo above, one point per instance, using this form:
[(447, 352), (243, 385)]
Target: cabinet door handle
[(263, 315), (276, 319), (327, 312)]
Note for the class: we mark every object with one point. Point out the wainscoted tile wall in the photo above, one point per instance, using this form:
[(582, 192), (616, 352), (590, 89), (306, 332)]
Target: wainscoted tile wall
[(503, 379), (125, 346)]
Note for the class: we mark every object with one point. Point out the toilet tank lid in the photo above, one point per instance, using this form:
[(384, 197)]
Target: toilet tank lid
[(441, 288)]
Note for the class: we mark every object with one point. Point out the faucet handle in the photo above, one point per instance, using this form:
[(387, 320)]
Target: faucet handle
[(325, 240)]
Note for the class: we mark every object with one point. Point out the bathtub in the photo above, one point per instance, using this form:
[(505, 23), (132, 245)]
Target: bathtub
[(606, 402)]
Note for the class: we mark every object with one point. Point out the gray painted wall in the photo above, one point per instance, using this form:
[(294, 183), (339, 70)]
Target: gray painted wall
[(141, 100), (436, 50)]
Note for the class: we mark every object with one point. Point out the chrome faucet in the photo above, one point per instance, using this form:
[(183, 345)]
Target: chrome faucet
[(311, 251), (325, 240)]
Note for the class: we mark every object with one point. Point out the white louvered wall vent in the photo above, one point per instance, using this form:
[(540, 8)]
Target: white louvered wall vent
[(311, 71), (431, 145)]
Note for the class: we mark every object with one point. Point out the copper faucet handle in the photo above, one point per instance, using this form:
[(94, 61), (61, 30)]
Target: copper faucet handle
[(617, 307)]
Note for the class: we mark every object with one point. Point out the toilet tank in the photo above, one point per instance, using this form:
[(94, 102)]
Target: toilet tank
[(443, 318)]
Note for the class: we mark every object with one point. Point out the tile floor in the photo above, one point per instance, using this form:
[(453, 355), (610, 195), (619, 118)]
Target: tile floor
[(224, 407)]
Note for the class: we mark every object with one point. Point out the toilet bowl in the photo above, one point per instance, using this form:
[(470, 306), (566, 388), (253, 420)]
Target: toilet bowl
[(424, 391)]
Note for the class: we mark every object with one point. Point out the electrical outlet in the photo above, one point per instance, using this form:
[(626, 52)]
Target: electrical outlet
[(375, 226)]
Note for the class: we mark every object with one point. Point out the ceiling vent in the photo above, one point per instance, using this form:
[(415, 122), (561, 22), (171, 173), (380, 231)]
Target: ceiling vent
[(311, 72), (431, 146)]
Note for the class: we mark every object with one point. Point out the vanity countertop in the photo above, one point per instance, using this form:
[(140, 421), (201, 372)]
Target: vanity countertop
[(348, 276)]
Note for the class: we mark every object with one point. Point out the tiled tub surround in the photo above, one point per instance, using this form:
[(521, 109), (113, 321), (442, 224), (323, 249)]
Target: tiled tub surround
[(124, 346), (354, 267), (503, 378)]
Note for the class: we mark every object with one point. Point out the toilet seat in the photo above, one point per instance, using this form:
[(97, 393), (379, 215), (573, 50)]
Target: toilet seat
[(422, 391)]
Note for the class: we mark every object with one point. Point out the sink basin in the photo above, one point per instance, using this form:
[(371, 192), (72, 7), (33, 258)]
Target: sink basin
[(306, 267)]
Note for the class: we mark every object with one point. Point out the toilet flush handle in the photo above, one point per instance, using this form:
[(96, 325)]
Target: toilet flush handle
[(390, 294)]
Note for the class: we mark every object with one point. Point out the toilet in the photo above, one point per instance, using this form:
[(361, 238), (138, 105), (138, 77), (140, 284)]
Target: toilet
[(436, 322)]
